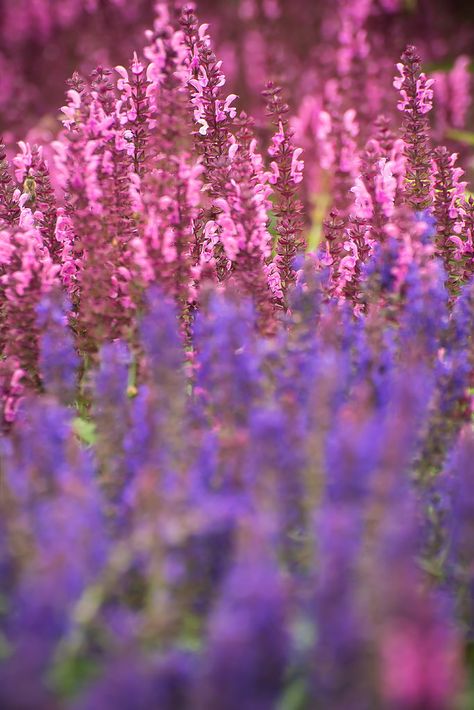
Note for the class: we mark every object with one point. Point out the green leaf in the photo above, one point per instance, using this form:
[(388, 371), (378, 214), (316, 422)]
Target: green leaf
[(85, 430), (5, 648), (303, 633), (466, 137), (295, 696), (132, 379), (191, 634), (71, 673), (433, 567)]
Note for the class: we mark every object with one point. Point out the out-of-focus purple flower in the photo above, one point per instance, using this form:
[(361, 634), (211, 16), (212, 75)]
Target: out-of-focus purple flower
[(58, 360), (246, 656), (342, 631), (160, 339), (425, 315), (227, 362), (50, 484), (155, 457), (137, 683), (111, 407), (340, 662), (420, 647), (457, 485), (274, 473)]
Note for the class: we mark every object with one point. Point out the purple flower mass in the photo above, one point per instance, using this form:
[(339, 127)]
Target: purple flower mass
[(236, 355)]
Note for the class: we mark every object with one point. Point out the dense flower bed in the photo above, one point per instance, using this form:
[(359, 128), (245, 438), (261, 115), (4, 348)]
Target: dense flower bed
[(237, 370)]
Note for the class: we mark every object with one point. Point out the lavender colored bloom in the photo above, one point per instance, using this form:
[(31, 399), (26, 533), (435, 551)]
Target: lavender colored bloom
[(354, 450), (36, 458), (51, 490), (227, 364), (418, 644), (136, 683), (58, 360), (425, 315), (453, 368), (426, 218), (160, 339), (111, 415), (274, 472), (228, 383), (298, 348), (208, 553), (233, 474), (459, 505), (158, 413), (378, 275), (341, 654), (247, 644), (152, 454)]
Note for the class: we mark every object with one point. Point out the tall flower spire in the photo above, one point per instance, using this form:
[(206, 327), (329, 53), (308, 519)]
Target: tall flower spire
[(448, 197), (416, 100), (9, 194), (286, 174)]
